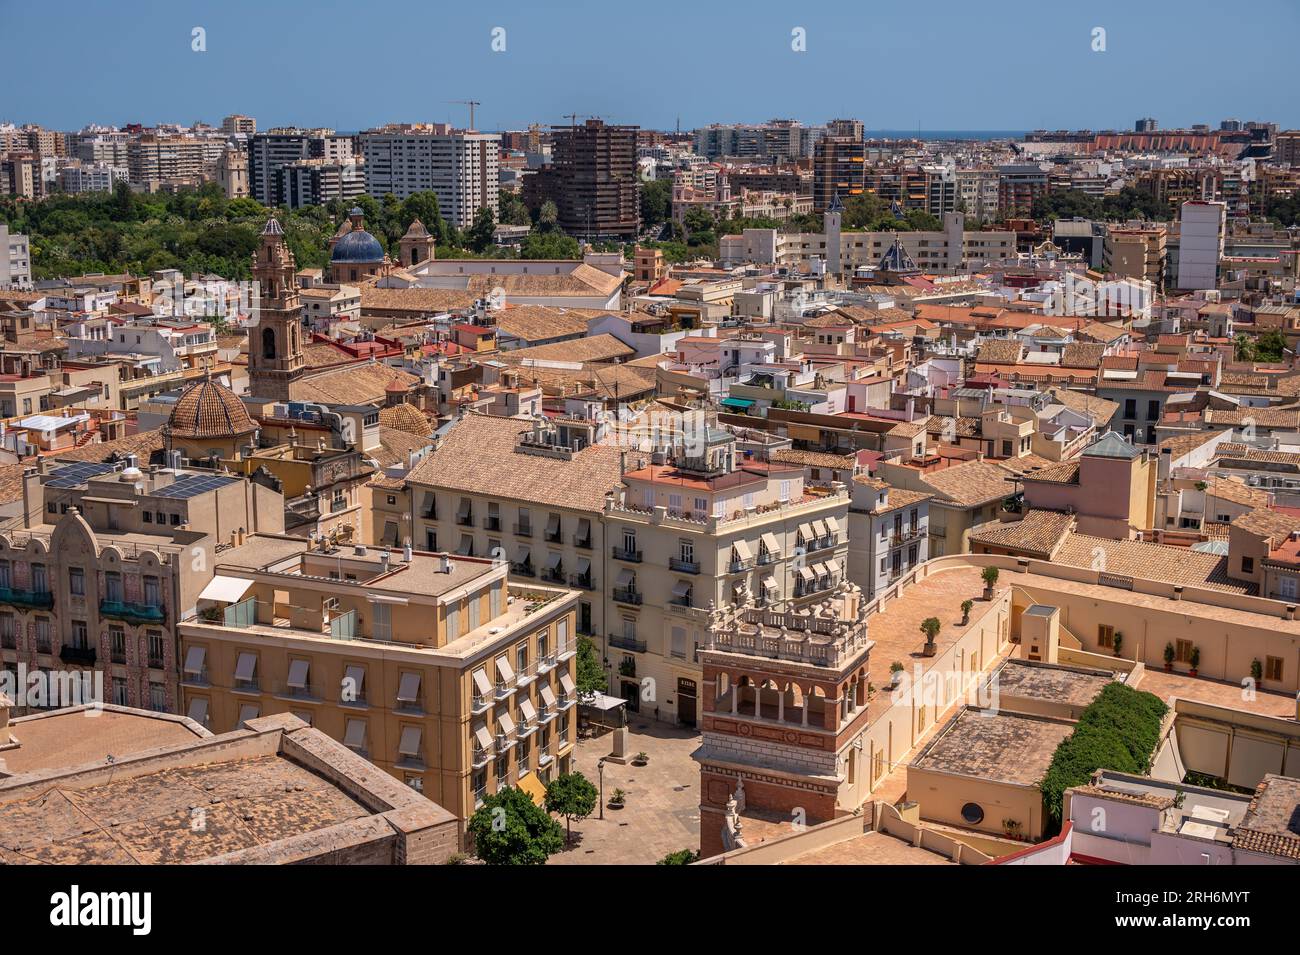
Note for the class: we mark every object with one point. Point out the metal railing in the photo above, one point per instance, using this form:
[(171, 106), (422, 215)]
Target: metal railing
[(684, 566), (626, 643), (627, 595), (134, 612), (583, 542), (627, 554)]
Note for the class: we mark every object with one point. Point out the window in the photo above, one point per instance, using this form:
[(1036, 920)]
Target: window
[(521, 659), (80, 638), (120, 696), (1273, 668), (1248, 565), (158, 697), (148, 516), (973, 813), (76, 582), (1106, 636), (1183, 651)]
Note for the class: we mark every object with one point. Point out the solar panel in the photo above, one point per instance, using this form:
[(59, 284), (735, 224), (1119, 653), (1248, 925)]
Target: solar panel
[(193, 485), (77, 473)]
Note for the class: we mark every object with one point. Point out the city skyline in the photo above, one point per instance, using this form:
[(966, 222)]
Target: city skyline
[(879, 69)]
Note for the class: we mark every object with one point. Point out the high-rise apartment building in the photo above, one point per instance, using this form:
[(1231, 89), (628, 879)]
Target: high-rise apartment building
[(592, 180), (1146, 125), (268, 152), (1200, 244), (839, 167), (237, 125), (460, 167), (155, 162), (15, 259), (314, 182)]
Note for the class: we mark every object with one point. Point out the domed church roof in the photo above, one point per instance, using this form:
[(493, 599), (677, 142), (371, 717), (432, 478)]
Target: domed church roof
[(208, 409), (357, 245)]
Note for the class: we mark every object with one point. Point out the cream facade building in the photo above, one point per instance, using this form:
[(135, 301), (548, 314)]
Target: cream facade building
[(431, 666)]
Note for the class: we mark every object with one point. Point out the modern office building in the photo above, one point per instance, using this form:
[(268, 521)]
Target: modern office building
[(839, 164)]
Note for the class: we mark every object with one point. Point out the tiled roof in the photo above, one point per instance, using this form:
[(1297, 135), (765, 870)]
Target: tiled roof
[(405, 417), (1142, 559), (1001, 352), (1183, 444), (814, 459), (1067, 472), (970, 484), (1037, 534), (208, 409), (1270, 825), (356, 384), (592, 348), (1260, 417), (1082, 355), (395, 446), (478, 455), (143, 445), (532, 323), (1274, 525)]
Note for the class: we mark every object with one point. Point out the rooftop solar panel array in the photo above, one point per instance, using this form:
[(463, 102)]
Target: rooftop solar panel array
[(192, 485)]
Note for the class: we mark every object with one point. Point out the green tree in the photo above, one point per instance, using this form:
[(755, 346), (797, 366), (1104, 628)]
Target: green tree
[(656, 201), (513, 210), (549, 245), (1270, 345), (680, 857), (481, 232), (548, 216), (1243, 347), (510, 829), (572, 796), (591, 675)]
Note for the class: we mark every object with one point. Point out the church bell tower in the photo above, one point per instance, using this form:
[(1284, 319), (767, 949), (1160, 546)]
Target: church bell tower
[(275, 358)]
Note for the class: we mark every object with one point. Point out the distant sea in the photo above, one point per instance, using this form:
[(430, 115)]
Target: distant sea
[(945, 133)]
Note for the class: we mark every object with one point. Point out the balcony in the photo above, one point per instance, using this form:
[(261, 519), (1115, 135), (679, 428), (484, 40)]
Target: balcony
[(491, 523), (156, 662), (583, 542), (631, 556), (82, 656), (767, 557), (621, 642), (523, 530), (30, 599), (465, 520), (583, 581), (681, 601), (503, 689), (523, 569), (479, 703), (684, 566), (627, 596), (480, 759), (132, 612), (553, 537), (546, 664), (739, 566)]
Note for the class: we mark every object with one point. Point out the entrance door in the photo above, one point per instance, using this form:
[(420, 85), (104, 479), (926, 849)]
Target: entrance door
[(686, 701), (632, 693)]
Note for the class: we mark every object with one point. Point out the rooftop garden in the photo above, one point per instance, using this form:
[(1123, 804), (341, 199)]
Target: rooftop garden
[(1119, 730)]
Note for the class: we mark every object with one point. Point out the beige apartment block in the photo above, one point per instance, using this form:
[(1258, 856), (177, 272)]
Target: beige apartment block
[(104, 562), (431, 666)]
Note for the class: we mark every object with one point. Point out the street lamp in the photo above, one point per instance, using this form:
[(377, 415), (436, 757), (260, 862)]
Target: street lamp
[(600, 770)]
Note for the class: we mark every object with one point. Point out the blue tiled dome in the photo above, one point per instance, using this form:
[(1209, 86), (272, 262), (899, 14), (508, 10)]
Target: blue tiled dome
[(357, 246)]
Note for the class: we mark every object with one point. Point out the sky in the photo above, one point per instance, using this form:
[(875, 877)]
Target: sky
[(936, 65)]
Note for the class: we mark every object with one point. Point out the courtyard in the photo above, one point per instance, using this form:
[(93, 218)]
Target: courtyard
[(662, 811)]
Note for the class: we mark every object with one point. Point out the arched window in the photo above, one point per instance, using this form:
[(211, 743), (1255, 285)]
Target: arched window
[(268, 343)]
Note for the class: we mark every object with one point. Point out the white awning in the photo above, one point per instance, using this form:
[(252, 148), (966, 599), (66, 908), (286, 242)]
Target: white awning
[(527, 710), (227, 589), (412, 736), (298, 674), (769, 583), (625, 578), (584, 528), (194, 657), (356, 678), (819, 529), (742, 550), (584, 566), (604, 702), (505, 723), (547, 696), (553, 561), (355, 734), (246, 666), (481, 682), (806, 532), (409, 689), (681, 588), (833, 527), (807, 575), (772, 544), (305, 716), (504, 671), (466, 545), (821, 570), (523, 554), (566, 683), (464, 507), (249, 711), (199, 711), (483, 736)]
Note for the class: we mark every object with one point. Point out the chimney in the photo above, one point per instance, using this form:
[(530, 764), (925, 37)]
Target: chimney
[(359, 550), (444, 564), (406, 552), (385, 557)]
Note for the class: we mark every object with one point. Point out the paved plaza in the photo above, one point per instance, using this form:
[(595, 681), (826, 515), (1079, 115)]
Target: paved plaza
[(662, 813)]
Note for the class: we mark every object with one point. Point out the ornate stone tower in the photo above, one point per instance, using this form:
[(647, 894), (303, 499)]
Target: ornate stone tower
[(786, 695), (275, 358), (416, 246)]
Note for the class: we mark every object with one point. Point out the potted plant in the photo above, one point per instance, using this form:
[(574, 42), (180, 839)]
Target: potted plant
[(930, 626), (1256, 671), (895, 674), (641, 759), (1169, 658), (1119, 643), (1195, 661), (618, 799), (966, 607), (990, 577), (1011, 828)]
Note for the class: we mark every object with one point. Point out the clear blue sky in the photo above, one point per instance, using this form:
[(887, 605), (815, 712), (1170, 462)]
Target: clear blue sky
[(943, 64)]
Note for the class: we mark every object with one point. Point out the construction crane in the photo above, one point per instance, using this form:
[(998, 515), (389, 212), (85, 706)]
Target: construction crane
[(471, 103)]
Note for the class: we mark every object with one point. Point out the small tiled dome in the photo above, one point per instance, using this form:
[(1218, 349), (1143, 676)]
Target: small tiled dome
[(207, 409)]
